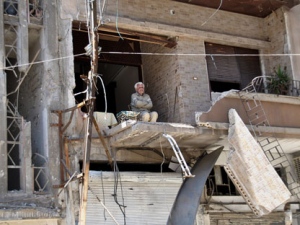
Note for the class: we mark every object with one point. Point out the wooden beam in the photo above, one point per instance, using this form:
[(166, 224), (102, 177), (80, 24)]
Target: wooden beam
[(130, 35)]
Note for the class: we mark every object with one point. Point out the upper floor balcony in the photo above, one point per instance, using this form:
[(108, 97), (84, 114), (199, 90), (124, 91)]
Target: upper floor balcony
[(277, 86)]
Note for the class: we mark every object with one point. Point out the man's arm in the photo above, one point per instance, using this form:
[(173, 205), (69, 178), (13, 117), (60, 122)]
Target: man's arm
[(149, 104), (135, 102), (141, 103)]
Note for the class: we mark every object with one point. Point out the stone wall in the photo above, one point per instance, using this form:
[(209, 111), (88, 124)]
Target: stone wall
[(292, 18), (161, 78), (274, 27), (194, 82), (179, 15), (176, 82)]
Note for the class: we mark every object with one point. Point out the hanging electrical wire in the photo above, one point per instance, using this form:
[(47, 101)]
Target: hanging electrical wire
[(26, 73), (82, 92), (162, 152), (39, 62), (117, 17), (168, 117), (221, 2), (104, 93), (101, 12), (158, 54), (116, 181), (103, 195), (87, 8), (99, 200)]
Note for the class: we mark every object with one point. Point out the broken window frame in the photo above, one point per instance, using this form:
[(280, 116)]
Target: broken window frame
[(31, 174)]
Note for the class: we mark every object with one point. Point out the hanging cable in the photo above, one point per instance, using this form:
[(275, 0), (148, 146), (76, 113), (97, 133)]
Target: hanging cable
[(221, 2), (104, 93), (162, 152), (116, 181), (101, 12), (158, 54), (168, 107), (117, 16), (99, 200), (103, 195), (213, 60), (82, 92), (26, 73), (88, 18), (103, 9), (100, 16), (34, 63)]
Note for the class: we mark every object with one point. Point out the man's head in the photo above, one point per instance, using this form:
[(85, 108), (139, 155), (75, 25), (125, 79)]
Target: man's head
[(139, 87)]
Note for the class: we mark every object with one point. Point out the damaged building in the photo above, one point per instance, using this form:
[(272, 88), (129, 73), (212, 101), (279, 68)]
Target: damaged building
[(224, 77)]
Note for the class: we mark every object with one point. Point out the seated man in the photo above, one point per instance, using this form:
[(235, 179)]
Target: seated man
[(141, 102)]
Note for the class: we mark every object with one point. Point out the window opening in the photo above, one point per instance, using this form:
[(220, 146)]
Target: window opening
[(234, 71), (36, 9), (10, 7), (14, 160), (219, 183), (119, 73), (218, 86), (16, 175), (14, 120)]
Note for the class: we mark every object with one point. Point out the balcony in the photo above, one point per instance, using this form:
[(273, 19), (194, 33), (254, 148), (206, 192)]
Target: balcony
[(276, 113), (272, 85)]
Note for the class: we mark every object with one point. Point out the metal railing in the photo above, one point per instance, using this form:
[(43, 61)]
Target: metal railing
[(41, 173), (260, 125), (264, 84)]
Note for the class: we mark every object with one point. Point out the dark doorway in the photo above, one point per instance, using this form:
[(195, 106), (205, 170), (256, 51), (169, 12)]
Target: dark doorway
[(117, 73)]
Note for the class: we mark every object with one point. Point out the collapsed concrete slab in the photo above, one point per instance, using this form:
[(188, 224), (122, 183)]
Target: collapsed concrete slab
[(251, 172)]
